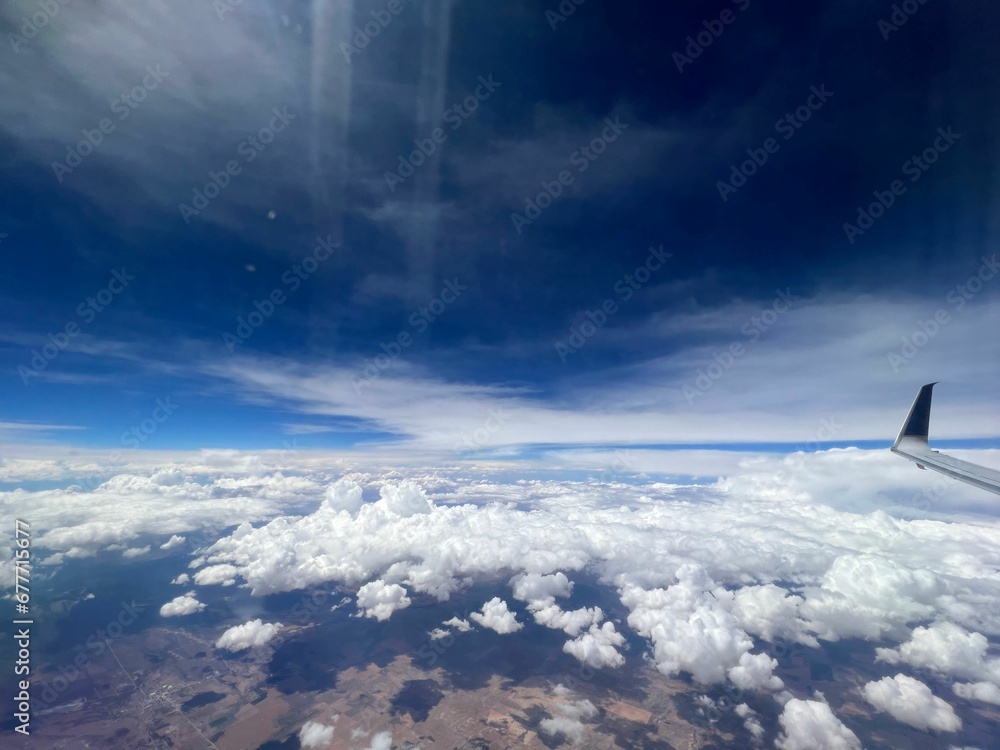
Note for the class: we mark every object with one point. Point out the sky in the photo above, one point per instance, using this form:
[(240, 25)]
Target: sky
[(435, 230), (323, 292)]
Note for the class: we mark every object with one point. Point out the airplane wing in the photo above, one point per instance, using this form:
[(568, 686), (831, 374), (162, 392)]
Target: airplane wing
[(911, 444)]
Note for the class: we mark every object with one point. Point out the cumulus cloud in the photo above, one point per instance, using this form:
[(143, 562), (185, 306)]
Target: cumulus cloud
[(570, 717), (910, 701), (132, 552), (750, 722), (315, 734), (343, 496), (948, 649), (182, 579), (705, 571), (811, 725), (598, 646), (871, 596), (248, 635), (381, 741), (379, 599), (986, 692), (182, 605), (459, 624), (222, 575), (569, 621), (754, 672), (541, 588), (700, 580), (174, 541), (688, 625), (121, 506), (771, 612), (495, 616)]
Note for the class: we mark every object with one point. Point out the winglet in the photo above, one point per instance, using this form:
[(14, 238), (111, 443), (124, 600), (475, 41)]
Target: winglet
[(917, 422)]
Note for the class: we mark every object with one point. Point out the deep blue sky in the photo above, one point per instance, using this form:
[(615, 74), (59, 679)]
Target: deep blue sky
[(655, 185)]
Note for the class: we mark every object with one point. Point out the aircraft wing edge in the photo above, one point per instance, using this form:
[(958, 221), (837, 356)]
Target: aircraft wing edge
[(911, 443)]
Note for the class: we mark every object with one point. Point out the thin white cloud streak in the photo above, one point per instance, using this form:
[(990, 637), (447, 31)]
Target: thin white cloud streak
[(784, 387), (791, 386)]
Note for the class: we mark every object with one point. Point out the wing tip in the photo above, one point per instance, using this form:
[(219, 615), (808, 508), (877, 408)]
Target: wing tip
[(917, 423)]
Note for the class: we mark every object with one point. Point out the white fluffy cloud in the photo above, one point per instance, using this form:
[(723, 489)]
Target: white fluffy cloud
[(750, 721), (344, 496), (172, 542), (948, 649), (496, 616), (598, 647), (248, 635), (755, 672), (705, 571), (541, 588), (381, 741), (569, 717), (462, 626), (871, 595), (133, 552), (811, 725), (222, 575), (185, 604), (379, 599), (910, 701), (986, 692), (569, 621), (689, 626), (699, 579), (315, 734)]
